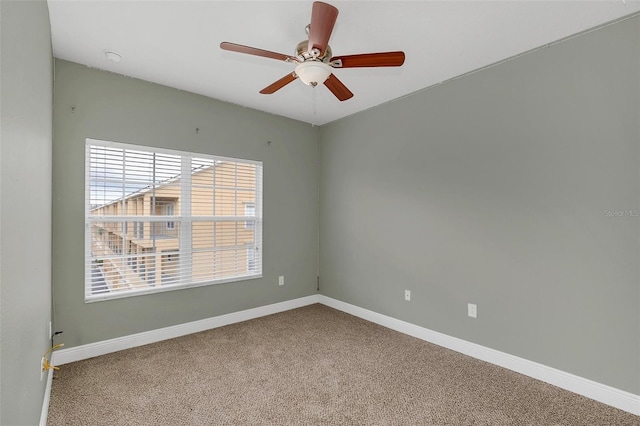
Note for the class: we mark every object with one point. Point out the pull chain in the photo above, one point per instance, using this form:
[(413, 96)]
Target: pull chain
[(314, 101)]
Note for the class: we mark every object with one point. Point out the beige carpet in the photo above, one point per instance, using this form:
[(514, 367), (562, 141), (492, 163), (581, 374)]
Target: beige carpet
[(309, 366)]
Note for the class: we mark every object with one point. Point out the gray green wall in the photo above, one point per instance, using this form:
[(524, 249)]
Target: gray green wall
[(494, 189), (26, 91), (116, 108)]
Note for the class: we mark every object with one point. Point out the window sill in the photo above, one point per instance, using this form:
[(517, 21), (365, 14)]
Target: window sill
[(161, 289)]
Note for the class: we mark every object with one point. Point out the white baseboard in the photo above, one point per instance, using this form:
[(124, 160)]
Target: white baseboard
[(603, 393), (45, 402), (77, 353)]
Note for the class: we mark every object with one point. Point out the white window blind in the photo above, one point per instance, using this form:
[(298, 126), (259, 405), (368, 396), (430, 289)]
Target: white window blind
[(160, 219)]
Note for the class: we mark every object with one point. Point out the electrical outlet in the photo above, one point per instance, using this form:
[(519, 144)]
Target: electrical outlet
[(407, 295), (281, 280), (472, 310)]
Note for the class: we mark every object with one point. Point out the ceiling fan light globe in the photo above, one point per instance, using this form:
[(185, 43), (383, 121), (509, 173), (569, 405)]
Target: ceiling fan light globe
[(313, 73)]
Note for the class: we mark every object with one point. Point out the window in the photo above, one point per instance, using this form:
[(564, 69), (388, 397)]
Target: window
[(249, 212), (170, 211), (251, 258), (202, 214)]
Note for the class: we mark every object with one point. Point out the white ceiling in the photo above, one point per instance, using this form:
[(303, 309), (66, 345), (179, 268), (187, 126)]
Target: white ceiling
[(176, 43)]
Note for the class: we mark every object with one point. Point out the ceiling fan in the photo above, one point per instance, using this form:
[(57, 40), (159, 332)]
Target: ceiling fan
[(313, 57)]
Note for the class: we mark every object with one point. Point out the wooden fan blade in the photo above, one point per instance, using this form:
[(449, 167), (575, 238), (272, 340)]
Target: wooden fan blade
[(255, 51), (382, 59), (337, 88), (273, 87), (323, 18)]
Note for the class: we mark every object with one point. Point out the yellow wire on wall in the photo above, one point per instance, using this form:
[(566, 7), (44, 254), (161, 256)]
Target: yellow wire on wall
[(46, 365)]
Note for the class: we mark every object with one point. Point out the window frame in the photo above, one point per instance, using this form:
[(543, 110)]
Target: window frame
[(183, 221)]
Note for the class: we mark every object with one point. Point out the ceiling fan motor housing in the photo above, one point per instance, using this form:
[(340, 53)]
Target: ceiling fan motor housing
[(303, 54)]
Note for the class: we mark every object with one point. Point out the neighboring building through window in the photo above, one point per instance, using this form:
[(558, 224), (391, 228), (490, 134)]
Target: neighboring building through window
[(169, 210), (159, 219)]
